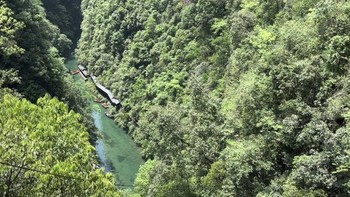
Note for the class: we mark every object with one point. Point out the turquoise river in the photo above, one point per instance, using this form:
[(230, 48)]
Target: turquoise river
[(116, 150)]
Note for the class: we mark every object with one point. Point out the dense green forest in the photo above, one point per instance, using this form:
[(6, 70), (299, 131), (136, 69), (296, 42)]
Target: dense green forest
[(45, 146), (45, 151), (225, 98), (228, 98), (66, 15), (30, 56)]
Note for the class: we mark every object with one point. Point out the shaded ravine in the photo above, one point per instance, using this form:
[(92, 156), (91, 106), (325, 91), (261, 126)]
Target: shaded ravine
[(116, 150)]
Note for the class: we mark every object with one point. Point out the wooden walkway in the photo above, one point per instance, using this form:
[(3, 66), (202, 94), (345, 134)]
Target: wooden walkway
[(98, 100), (75, 72), (82, 71)]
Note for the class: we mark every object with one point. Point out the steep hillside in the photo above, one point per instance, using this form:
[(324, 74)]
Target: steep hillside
[(66, 15), (30, 48), (228, 98), (44, 147)]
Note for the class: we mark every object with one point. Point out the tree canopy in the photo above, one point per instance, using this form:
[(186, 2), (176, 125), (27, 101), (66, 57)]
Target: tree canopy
[(45, 151), (45, 147), (228, 98)]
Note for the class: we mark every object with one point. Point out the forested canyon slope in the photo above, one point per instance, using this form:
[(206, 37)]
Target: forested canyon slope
[(225, 98), (228, 98), (45, 146)]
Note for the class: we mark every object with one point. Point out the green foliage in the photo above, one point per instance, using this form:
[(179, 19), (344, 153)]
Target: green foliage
[(9, 27), (66, 14), (231, 98), (30, 49), (143, 179), (45, 150), (238, 163)]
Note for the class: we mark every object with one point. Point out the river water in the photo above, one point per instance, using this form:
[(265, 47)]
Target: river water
[(116, 150)]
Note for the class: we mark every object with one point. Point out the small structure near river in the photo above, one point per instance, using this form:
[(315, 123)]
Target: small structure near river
[(104, 91), (84, 71)]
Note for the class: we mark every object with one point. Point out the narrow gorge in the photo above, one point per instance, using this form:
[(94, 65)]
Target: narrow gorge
[(234, 98)]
